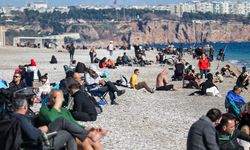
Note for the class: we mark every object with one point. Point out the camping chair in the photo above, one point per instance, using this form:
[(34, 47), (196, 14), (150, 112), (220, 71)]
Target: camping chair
[(92, 89), (11, 136)]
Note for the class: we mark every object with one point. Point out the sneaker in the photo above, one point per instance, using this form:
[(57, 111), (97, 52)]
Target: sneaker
[(120, 92), (114, 103)]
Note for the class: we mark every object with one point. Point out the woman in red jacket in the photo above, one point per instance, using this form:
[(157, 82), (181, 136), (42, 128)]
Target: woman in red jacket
[(204, 65)]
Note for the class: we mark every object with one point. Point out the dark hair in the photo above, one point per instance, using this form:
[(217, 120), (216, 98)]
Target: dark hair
[(224, 120), (244, 69), (210, 76), (45, 76), (214, 114), (236, 88), (136, 70), (74, 86), (217, 73)]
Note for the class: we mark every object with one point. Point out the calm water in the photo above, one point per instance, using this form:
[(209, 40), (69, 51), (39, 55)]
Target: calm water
[(236, 53)]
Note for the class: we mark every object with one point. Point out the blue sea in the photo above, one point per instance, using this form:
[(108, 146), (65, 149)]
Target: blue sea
[(236, 53)]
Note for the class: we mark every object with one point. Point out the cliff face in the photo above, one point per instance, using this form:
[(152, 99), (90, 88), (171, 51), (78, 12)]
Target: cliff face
[(156, 32)]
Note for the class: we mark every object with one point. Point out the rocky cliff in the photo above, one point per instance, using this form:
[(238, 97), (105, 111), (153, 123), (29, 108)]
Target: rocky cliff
[(156, 32)]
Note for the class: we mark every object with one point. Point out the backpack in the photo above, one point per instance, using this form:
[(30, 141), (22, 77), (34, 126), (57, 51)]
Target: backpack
[(53, 60)]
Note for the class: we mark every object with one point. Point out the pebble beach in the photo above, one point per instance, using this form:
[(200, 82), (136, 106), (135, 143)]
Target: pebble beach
[(141, 121)]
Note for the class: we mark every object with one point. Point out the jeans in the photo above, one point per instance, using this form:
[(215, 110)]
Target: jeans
[(63, 124), (111, 52), (142, 85), (64, 137), (110, 87), (203, 72)]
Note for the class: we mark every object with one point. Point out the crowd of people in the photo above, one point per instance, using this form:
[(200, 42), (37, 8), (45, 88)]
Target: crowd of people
[(42, 107)]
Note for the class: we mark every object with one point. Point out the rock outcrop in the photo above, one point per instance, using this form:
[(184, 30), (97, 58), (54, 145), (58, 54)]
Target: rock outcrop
[(156, 32)]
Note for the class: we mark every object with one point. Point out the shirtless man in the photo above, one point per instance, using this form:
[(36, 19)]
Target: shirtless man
[(162, 81)]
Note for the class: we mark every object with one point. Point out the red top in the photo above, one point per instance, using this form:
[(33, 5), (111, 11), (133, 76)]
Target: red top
[(204, 64), (104, 65)]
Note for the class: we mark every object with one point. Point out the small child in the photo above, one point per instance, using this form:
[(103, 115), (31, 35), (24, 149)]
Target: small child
[(218, 77)]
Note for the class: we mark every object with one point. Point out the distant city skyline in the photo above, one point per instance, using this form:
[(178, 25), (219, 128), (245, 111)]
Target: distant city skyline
[(20, 3)]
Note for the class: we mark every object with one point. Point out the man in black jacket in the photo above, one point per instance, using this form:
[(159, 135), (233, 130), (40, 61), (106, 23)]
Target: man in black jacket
[(17, 83), (202, 134), (83, 109), (228, 134)]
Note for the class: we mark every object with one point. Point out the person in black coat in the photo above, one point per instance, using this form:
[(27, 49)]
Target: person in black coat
[(17, 83), (84, 108), (207, 84)]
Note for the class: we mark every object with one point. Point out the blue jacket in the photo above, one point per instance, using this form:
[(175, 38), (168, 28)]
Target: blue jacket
[(238, 100)]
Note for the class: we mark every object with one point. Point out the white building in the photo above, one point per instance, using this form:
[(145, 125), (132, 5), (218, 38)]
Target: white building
[(204, 7), (37, 5), (224, 8), (2, 36)]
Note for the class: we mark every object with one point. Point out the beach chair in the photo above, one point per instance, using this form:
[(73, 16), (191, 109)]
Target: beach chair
[(92, 89)]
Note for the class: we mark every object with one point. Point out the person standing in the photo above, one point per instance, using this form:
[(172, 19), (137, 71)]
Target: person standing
[(211, 53), (71, 51), (92, 54), (111, 48), (204, 65), (202, 134)]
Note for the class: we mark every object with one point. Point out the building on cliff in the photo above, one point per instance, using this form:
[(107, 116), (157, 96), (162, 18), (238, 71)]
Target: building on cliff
[(2, 36)]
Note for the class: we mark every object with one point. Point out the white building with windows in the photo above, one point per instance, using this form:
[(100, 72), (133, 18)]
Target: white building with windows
[(37, 5)]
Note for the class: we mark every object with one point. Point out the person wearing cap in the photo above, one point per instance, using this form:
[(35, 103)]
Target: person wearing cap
[(97, 84), (33, 73)]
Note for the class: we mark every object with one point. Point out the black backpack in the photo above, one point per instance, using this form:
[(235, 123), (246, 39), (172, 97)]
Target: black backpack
[(81, 67), (53, 60)]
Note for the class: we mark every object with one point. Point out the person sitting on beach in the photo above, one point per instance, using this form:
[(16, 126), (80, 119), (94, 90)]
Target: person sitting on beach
[(102, 63), (97, 84), (125, 59), (17, 83), (245, 117), (227, 72), (243, 79), (119, 61), (110, 64), (63, 128), (162, 82), (218, 77), (208, 87), (234, 102), (45, 88), (32, 73), (228, 134), (204, 65), (54, 110), (202, 134), (139, 85), (92, 54), (83, 108), (190, 80)]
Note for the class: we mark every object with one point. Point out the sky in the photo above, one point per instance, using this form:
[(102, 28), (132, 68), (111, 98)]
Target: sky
[(20, 3)]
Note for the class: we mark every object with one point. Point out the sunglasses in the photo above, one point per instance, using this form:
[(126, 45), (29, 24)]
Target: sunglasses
[(16, 76)]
